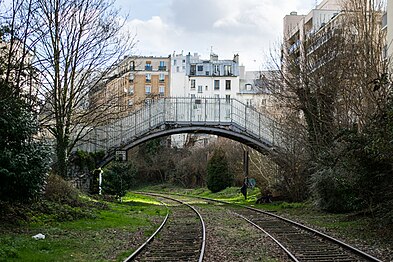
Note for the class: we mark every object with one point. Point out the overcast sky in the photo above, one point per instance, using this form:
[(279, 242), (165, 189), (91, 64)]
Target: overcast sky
[(247, 27)]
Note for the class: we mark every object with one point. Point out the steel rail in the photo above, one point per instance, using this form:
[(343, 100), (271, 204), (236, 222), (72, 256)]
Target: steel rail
[(203, 244), (323, 235), (141, 247), (269, 235), (334, 240)]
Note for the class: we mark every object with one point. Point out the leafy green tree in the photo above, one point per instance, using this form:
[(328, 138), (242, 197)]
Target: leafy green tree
[(218, 175), (118, 178)]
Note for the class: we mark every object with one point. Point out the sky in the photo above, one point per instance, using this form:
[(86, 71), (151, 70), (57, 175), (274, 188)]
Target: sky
[(250, 28)]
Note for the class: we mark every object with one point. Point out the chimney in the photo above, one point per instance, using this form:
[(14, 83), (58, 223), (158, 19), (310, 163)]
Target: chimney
[(236, 58), (213, 57)]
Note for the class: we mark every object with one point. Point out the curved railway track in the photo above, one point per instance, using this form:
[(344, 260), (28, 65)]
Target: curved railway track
[(299, 242), (180, 237)]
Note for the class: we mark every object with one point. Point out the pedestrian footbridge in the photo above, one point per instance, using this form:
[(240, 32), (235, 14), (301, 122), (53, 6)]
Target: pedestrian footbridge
[(167, 116)]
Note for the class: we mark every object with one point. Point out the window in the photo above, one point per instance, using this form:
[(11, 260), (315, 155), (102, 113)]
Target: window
[(192, 96), (227, 70), (199, 89), (216, 84), (217, 96), (174, 62), (148, 77), (206, 88), (131, 90), (216, 70), (131, 78), (192, 83), (227, 84), (248, 87), (148, 66), (177, 69), (162, 66), (207, 73), (162, 77), (193, 70), (200, 68), (147, 90), (132, 66), (162, 90), (227, 98), (130, 103)]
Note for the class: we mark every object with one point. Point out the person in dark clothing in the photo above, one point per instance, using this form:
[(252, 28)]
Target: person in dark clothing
[(243, 189)]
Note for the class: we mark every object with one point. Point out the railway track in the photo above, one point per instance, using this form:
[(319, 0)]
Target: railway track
[(180, 237), (300, 243)]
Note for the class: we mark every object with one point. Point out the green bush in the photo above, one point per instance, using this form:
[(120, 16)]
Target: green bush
[(335, 190), (24, 161), (218, 175), (118, 178)]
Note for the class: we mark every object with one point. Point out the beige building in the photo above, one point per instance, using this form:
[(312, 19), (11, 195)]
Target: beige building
[(133, 82)]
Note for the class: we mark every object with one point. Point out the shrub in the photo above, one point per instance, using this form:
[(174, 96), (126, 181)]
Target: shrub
[(61, 191), (24, 160), (218, 174), (118, 178)]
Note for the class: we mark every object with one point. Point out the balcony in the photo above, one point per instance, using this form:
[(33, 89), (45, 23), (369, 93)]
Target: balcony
[(294, 47), (162, 68), (148, 68)]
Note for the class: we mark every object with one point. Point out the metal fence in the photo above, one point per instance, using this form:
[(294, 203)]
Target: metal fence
[(181, 111)]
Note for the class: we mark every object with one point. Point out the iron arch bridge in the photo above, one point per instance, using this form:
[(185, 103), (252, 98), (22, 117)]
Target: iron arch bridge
[(173, 115)]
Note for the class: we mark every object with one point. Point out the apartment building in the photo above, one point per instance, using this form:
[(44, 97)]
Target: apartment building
[(194, 77), (318, 24), (254, 90), (133, 82)]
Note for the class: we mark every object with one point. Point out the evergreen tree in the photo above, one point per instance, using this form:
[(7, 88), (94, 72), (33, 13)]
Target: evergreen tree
[(24, 161), (218, 174)]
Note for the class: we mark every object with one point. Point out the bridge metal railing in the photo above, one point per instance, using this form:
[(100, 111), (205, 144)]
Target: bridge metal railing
[(156, 114)]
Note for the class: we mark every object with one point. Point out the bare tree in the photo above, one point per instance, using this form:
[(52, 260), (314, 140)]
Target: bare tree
[(326, 75), (76, 43), (16, 55)]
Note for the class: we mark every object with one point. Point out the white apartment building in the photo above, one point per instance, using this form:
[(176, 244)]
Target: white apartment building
[(253, 90), (192, 76), (298, 27)]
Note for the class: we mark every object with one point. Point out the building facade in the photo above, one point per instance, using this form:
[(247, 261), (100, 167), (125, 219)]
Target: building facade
[(297, 29), (133, 82), (192, 76)]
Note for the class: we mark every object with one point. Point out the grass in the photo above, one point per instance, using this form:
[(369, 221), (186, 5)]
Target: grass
[(109, 234)]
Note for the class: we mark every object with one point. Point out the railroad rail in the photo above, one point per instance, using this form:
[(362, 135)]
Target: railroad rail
[(299, 242), (182, 235)]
